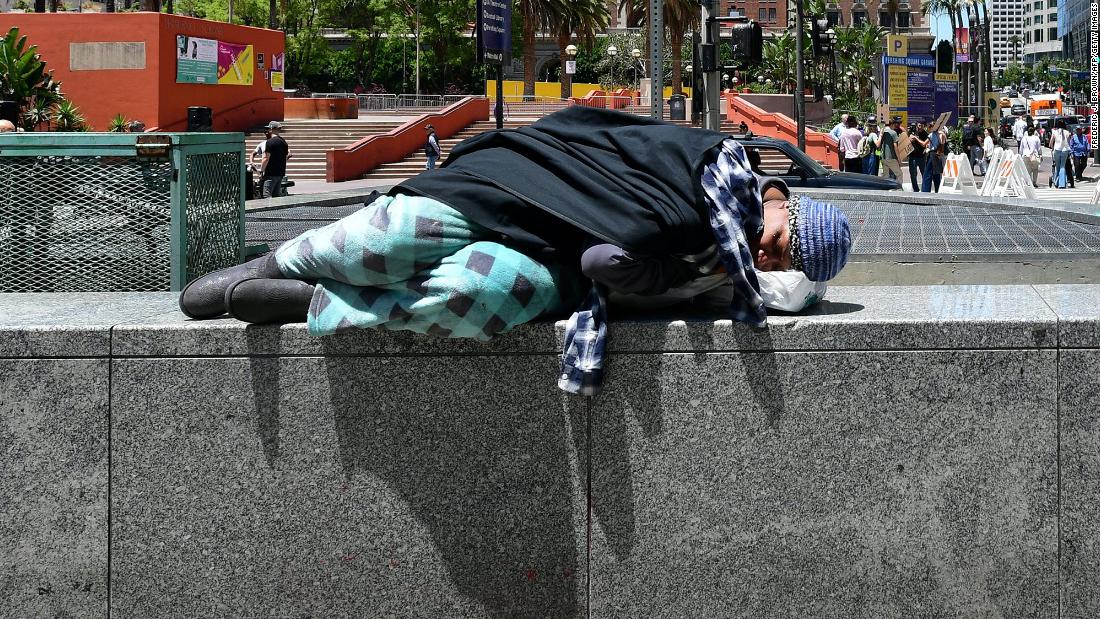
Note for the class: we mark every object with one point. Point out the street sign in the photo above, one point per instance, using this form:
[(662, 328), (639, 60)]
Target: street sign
[(494, 24)]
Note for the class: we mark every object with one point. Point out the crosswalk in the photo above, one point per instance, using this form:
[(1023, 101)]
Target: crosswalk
[(1081, 193)]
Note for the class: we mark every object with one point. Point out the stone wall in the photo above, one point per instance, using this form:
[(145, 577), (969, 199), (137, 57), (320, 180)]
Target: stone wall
[(897, 452)]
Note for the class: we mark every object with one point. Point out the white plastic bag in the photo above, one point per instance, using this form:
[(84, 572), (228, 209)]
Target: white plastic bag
[(789, 291)]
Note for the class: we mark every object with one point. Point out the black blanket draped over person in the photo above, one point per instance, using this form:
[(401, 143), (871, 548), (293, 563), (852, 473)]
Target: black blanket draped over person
[(624, 179)]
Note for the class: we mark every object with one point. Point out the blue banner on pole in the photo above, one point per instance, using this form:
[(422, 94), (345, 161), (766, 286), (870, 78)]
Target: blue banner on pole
[(494, 23)]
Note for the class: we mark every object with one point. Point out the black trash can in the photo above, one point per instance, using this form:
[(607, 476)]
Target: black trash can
[(200, 118), (249, 183), (677, 107)]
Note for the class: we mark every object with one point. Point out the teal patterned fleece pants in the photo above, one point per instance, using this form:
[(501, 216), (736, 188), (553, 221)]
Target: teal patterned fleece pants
[(415, 264)]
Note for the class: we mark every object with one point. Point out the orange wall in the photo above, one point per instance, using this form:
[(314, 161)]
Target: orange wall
[(236, 108), (363, 156), (331, 109), (151, 94)]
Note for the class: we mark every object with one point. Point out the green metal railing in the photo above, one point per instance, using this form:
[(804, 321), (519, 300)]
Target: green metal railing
[(83, 212)]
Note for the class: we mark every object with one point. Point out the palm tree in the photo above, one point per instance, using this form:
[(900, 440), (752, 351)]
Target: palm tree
[(536, 14), (1015, 40), (272, 14), (150, 5), (581, 17), (778, 60), (679, 17), (39, 6)]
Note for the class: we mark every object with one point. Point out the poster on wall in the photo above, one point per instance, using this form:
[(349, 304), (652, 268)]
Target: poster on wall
[(277, 69), (196, 60), (235, 64)]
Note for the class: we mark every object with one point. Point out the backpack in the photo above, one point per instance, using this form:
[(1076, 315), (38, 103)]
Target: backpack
[(865, 146)]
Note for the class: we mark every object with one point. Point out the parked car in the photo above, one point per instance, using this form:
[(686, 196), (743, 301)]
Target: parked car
[(782, 159)]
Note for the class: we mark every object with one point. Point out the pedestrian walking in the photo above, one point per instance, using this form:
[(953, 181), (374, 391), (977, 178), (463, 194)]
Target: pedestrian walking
[(1019, 130), (1032, 152), (431, 147), (971, 141), (1080, 147), (989, 144), (273, 164), (849, 145), (1059, 144), (887, 144), (869, 149), (836, 131), (919, 157), (933, 166)]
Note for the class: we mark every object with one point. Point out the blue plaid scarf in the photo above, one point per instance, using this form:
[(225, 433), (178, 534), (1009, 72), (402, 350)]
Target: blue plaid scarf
[(733, 198)]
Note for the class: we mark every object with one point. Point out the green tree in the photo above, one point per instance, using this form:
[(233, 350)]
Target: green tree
[(583, 18), (24, 77), (679, 17), (536, 15)]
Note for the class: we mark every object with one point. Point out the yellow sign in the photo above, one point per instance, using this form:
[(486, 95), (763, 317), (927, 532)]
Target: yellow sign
[(897, 45), (946, 77), (897, 85), (276, 80)]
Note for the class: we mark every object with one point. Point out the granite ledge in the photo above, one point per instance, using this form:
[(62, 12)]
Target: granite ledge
[(851, 318)]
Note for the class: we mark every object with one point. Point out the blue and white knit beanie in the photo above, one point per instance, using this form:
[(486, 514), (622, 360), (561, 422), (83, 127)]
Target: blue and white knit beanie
[(820, 238)]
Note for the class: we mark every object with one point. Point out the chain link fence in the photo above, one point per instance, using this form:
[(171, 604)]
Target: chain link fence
[(118, 212)]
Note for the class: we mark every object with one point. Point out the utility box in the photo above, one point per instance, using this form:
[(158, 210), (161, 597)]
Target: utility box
[(83, 212)]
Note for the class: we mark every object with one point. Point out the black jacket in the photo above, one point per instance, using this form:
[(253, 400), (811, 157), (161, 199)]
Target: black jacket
[(624, 179)]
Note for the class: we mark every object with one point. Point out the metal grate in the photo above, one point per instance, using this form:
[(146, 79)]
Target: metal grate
[(86, 212), (213, 212), (84, 224), (945, 232)]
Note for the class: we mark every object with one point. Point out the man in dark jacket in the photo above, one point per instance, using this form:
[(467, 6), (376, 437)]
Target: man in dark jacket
[(516, 218), (431, 147)]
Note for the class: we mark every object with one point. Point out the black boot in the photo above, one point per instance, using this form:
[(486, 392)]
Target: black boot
[(205, 297), (265, 301)]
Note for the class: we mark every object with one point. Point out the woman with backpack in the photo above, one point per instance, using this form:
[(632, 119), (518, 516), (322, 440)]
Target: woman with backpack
[(868, 148), (1059, 144)]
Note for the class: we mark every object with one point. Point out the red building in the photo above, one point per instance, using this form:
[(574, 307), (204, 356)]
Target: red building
[(126, 63)]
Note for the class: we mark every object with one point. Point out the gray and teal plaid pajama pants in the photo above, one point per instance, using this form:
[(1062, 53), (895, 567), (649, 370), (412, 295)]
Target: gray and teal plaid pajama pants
[(415, 264)]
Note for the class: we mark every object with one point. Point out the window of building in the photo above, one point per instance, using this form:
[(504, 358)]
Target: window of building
[(771, 15), (833, 17), (885, 19), (858, 17), (903, 20), (1052, 33), (1038, 19), (1036, 36), (762, 14)]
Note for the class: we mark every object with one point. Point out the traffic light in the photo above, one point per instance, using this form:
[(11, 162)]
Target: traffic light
[(747, 45), (821, 45)]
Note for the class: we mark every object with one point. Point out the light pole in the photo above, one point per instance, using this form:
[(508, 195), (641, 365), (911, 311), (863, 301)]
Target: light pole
[(570, 69), (637, 54), (799, 78), (612, 51)]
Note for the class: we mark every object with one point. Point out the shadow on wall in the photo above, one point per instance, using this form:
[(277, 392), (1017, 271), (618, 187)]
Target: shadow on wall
[(483, 461), (636, 387)]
